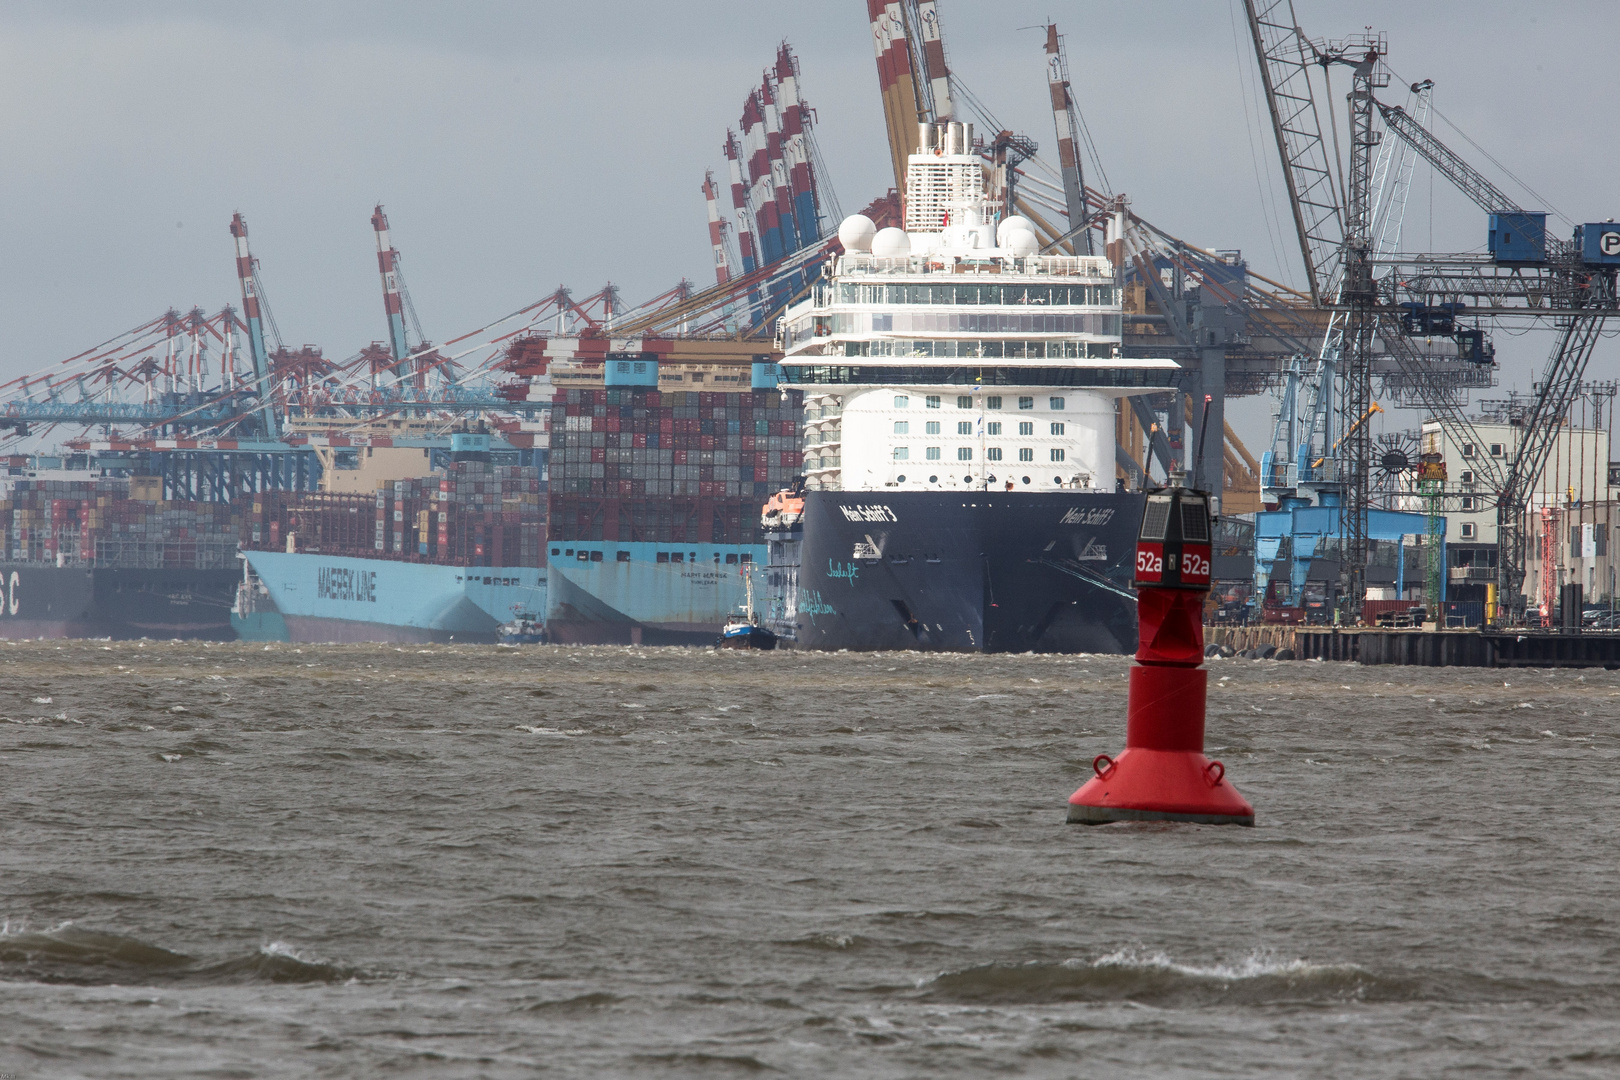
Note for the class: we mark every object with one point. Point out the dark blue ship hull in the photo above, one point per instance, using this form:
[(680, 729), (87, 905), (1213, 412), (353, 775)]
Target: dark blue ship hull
[(116, 602), (972, 572)]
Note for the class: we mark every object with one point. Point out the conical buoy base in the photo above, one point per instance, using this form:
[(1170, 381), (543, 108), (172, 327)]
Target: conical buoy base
[(1159, 785)]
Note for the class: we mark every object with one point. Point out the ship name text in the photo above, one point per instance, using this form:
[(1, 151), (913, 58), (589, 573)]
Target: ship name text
[(1101, 515), (871, 512), (342, 583)]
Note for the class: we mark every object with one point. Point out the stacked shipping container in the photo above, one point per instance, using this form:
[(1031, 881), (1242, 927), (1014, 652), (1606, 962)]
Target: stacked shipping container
[(474, 514), (632, 464), (95, 523)]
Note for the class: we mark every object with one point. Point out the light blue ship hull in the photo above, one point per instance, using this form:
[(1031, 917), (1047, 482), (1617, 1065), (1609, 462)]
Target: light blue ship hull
[(640, 600), (333, 598)]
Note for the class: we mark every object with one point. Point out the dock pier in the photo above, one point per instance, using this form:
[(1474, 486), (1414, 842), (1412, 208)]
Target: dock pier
[(1429, 648)]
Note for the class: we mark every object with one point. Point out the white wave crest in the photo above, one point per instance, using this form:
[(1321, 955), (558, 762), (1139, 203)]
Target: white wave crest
[(1260, 963)]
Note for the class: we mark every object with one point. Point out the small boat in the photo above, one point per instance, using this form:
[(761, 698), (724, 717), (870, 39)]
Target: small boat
[(785, 508), (523, 630), (742, 629)]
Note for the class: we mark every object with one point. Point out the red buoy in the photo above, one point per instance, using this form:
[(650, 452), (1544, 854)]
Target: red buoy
[(1163, 775)]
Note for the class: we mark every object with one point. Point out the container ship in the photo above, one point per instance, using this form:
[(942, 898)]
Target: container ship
[(109, 558), (655, 497), (959, 446), (446, 557)]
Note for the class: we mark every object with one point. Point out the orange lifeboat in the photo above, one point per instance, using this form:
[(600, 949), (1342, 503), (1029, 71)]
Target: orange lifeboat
[(782, 510)]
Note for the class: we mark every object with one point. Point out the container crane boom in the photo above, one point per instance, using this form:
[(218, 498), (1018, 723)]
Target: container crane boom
[(1307, 169), (717, 238), (936, 74), (1066, 119), (387, 258), (896, 83), (248, 277), (1486, 195)]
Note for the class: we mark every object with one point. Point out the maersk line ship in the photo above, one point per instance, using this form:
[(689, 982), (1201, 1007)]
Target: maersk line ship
[(312, 597), (959, 446)]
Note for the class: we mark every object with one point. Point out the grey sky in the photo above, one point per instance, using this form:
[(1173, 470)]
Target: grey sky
[(522, 146)]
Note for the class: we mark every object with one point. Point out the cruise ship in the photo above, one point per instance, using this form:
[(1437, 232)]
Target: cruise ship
[(959, 454)]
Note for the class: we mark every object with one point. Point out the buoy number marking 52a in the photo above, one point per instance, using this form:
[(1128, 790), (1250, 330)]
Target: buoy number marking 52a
[(1194, 565), (1149, 563)]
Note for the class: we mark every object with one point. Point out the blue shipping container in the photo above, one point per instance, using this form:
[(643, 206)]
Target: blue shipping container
[(1519, 236), (1599, 243)]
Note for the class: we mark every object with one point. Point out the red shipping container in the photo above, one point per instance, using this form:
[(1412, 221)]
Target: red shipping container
[(598, 455), (640, 441)]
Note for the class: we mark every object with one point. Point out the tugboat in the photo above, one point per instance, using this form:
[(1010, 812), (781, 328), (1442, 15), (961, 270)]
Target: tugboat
[(743, 629), (522, 630)]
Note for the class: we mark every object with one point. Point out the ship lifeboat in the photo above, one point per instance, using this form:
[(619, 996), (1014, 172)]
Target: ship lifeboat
[(782, 510)]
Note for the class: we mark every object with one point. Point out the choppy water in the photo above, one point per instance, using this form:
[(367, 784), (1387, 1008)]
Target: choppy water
[(232, 861)]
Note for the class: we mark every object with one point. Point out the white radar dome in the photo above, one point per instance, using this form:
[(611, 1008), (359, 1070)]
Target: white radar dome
[(1021, 242), (1011, 224), (856, 232), (891, 243)]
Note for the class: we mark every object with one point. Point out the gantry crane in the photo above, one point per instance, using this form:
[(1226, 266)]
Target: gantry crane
[(1573, 284)]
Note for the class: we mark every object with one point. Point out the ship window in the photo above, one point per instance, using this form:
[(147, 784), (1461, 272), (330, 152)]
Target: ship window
[(624, 556), (663, 556), (1026, 454), (964, 401), (1057, 429), (964, 453), (932, 401), (993, 454), (731, 558), (902, 427), (596, 556), (1056, 403), (964, 427), (994, 427), (570, 551), (1468, 530), (1026, 428), (931, 428), (677, 556), (554, 551), (717, 557), (902, 453), (901, 401), (1057, 454), (992, 402), (746, 557), (932, 453)]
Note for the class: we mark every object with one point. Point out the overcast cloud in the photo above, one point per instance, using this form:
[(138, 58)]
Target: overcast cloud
[(519, 146)]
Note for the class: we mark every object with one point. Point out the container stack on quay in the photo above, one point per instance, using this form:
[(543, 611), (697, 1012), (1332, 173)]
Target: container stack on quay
[(683, 466), (118, 522), (474, 514)]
